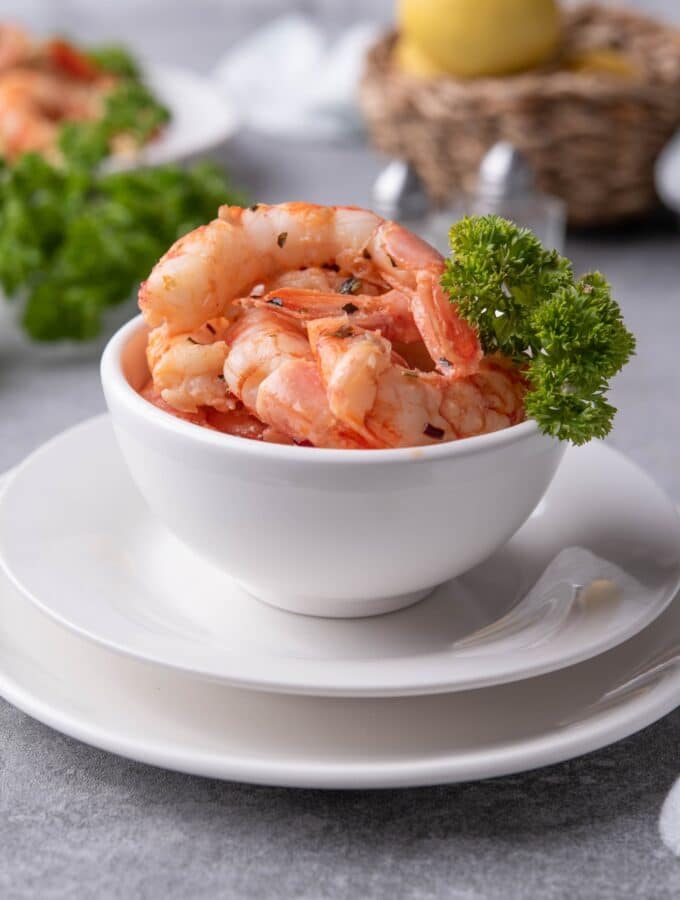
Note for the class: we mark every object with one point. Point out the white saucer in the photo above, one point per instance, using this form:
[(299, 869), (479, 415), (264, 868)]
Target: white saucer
[(167, 718), (596, 563), (201, 118)]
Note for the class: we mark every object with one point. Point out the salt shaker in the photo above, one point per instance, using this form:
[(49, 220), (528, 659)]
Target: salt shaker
[(505, 187), (399, 194)]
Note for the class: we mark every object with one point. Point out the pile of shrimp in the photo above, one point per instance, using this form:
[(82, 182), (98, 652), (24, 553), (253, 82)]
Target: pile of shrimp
[(319, 326), (42, 85)]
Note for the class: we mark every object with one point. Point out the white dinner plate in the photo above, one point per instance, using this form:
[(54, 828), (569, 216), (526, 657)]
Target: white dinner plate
[(597, 562), (171, 719), (201, 118)]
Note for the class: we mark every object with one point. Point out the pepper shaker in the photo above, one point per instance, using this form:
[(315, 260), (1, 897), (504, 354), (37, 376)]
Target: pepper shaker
[(399, 194), (505, 187)]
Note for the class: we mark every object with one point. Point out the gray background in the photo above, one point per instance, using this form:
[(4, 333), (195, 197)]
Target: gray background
[(77, 822)]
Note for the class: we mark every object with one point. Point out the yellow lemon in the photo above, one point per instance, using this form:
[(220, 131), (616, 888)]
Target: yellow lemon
[(603, 62), (473, 38), (411, 59)]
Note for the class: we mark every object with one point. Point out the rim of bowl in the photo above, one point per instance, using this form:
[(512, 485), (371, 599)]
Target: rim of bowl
[(115, 381)]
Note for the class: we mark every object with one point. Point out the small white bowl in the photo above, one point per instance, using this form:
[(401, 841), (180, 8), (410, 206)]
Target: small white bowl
[(325, 532)]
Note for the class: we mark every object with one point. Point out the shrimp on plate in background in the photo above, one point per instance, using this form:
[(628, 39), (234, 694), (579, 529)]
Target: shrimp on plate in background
[(16, 47), (34, 104), (42, 85), (326, 324)]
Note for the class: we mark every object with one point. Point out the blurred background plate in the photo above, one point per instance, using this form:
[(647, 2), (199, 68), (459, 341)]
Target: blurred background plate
[(201, 120)]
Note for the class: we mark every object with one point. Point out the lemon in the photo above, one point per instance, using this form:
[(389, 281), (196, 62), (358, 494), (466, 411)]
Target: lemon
[(412, 60), (603, 62), (473, 38)]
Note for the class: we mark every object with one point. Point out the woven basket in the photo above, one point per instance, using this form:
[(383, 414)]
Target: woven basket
[(592, 139)]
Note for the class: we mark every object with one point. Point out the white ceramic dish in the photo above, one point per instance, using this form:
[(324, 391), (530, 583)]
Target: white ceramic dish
[(201, 118), (595, 563), (169, 719), (325, 532)]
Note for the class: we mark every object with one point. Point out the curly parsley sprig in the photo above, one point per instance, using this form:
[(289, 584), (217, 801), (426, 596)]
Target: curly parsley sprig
[(524, 301)]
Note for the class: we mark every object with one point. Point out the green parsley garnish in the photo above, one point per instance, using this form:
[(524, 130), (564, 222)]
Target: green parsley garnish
[(524, 301), (114, 59), (130, 109), (74, 242)]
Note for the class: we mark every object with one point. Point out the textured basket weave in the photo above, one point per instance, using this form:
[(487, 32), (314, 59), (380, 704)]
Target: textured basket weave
[(592, 139)]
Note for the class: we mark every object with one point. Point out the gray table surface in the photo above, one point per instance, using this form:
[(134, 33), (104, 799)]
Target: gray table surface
[(78, 822)]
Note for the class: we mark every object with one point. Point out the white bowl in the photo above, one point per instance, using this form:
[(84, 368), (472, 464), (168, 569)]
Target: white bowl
[(325, 532)]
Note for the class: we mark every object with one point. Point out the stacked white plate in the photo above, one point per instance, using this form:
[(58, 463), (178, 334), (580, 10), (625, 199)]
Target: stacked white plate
[(115, 633)]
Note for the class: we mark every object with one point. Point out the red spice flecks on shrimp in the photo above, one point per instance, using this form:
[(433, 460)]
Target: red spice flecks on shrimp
[(43, 85)]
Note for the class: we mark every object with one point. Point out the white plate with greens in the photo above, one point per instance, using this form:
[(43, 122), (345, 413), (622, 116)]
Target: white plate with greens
[(201, 118), (69, 281)]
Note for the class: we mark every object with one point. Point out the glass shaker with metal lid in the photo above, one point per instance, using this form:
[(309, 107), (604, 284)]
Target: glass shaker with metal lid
[(505, 187)]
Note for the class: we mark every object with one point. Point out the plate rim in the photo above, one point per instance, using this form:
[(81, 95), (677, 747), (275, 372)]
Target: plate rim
[(297, 679), (627, 715)]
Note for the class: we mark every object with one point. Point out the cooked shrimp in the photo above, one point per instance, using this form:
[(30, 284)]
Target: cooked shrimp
[(25, 97), (258, 343), (32, 105), (389, 313), (237, 421), (271, 370), (187, 369), (325, 279), (16, 47), (206, 271), (293, 401), (241, 423), (389, 405), (151, 393)]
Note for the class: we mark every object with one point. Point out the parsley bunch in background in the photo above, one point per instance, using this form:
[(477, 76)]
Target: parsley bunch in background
[(566, 333), (75, 241)]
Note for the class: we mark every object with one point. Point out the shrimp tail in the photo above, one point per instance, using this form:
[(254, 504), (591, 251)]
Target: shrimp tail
[(451, 342)]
